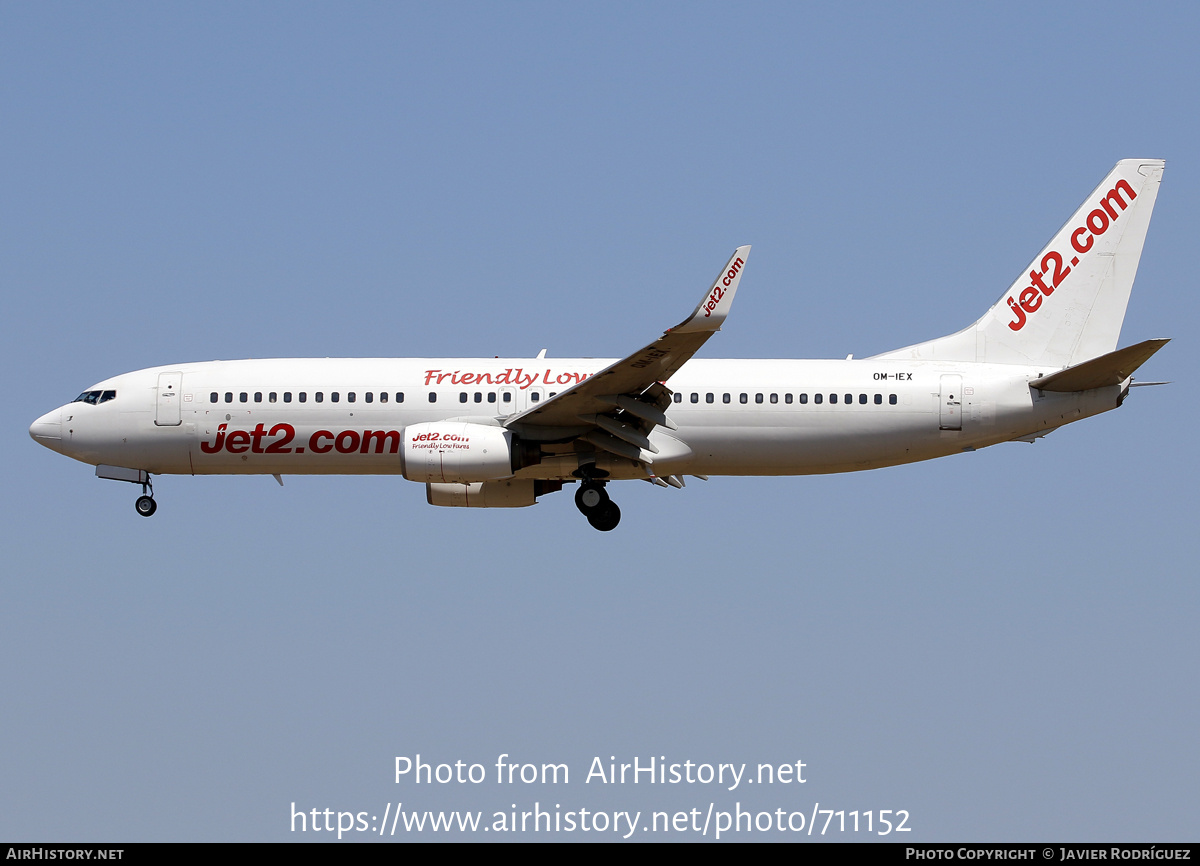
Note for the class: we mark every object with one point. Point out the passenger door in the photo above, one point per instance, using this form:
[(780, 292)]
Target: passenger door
[(167, 400)]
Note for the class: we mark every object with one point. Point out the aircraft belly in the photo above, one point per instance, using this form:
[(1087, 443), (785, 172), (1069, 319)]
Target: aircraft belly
[(815, 446)]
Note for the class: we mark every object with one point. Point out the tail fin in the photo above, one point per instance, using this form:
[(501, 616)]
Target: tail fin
[(1068, 305)]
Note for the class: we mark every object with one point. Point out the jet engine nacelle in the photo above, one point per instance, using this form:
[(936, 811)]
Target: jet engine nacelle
[(512, 493), (509, 493), (457, 451)]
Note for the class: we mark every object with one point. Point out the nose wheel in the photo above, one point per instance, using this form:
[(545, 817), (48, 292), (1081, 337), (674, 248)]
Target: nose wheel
[(145, 504), (601, 512)]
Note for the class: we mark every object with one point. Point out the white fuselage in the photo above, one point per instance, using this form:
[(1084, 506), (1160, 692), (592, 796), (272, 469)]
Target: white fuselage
[(733, 417)]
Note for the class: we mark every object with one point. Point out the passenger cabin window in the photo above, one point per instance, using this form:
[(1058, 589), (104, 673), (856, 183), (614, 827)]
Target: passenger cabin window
[(258, 396), (804, 398), (507, 396), (774, 398), (534, 396), (709, 397), (758, 398), (243, 397), (399, 396), (725, 397), (228, 396), (878, 399), (892, 399), (817, 398), (212, 398), (334, 396), (383, 396), (833, 398), (478, 396), (743, 398), (695, 398), (273, 397), (287, 396), (433, 396), (787, 398), (350, 397), (849, 399), (678, 398), (491, 396), (303, 397), (319, 396), (462, 396), (368, 397), (862, 399)]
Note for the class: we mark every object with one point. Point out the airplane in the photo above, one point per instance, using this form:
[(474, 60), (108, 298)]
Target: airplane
[(501, 433)]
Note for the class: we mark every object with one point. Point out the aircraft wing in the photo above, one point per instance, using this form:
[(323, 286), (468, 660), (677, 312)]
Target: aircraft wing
[(617, 407)]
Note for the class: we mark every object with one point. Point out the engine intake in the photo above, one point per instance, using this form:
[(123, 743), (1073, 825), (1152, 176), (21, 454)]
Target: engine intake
[(445, 452)]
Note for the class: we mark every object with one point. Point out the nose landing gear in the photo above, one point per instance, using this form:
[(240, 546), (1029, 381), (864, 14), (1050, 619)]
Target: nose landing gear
[(145, 504), (592, 500)]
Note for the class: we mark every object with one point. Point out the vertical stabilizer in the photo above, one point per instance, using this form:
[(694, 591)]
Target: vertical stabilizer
[(1069, 302)]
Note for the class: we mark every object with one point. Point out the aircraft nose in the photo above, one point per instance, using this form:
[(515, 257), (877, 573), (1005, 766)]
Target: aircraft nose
[(47, 430)]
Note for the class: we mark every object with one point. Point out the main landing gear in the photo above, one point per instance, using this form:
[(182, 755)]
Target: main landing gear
[(145, 504), (592, 499)]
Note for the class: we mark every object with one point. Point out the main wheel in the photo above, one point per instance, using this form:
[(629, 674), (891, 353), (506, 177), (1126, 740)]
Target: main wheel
[(145, 506), (605, 517), (590, 497)]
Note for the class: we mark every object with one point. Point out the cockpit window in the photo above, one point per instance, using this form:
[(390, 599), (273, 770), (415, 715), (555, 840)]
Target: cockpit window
[(95, 397)]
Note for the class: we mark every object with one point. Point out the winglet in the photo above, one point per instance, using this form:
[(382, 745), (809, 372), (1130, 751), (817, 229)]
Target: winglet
[(719, 298)]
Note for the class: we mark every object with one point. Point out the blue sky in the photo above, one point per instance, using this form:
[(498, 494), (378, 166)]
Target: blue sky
[(1001, 643)]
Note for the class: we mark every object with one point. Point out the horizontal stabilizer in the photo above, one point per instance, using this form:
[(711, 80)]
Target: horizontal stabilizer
[(1111, 369)]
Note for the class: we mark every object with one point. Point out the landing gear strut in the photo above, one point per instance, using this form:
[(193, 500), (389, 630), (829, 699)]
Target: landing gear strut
[(145, 504), (592, 499)]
